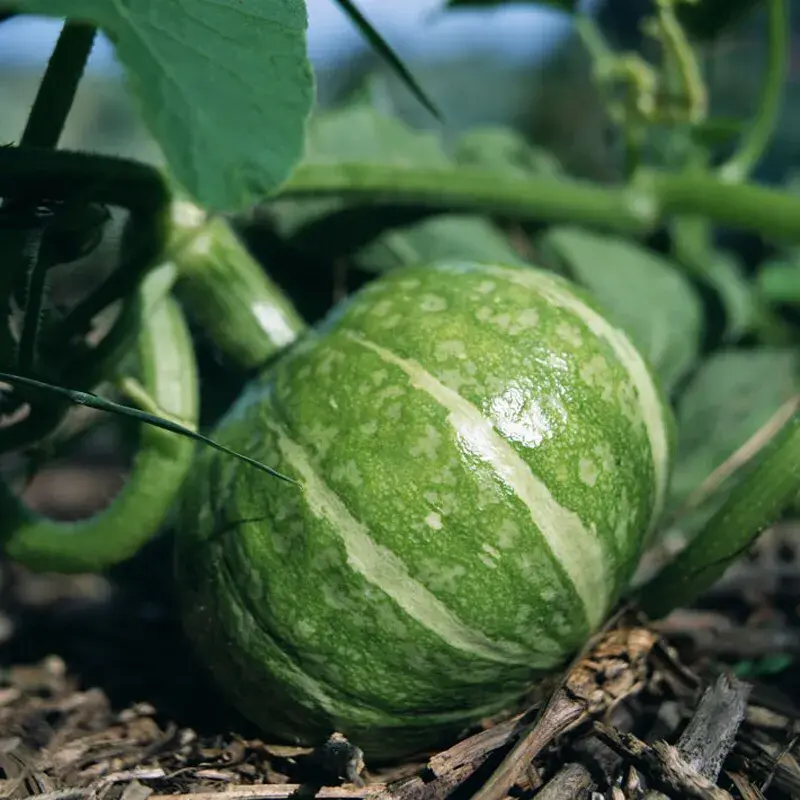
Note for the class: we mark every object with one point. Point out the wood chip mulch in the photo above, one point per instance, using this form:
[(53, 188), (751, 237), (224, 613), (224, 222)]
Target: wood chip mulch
[(100, 700)]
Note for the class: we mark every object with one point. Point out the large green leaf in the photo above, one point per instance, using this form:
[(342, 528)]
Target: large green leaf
[(445, 237), (355, 134), (694, 248), (726, 276), (358, 133), (779, 281), (504, 150), (731, 396), (224, 86), (643, 293), (380, 239)]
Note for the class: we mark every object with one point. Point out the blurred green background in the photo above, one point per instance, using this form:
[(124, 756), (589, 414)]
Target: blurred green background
[(518, 65)]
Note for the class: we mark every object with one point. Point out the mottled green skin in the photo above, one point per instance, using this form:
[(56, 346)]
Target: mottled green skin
[(301, 640)]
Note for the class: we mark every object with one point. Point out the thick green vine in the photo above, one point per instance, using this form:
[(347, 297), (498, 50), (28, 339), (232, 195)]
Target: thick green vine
[(636, 208)]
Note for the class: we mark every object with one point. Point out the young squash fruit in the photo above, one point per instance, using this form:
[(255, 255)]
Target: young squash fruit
[(481, 458)]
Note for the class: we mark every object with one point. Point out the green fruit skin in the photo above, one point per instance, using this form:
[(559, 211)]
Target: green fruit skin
[(482, 458)]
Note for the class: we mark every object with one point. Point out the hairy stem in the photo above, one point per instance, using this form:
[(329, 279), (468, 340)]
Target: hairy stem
[(28, 173), (45, 124), (21, 241), (34, 303), (756, 141)]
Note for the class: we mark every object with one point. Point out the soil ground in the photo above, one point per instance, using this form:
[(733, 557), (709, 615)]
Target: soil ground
[(101, 698)]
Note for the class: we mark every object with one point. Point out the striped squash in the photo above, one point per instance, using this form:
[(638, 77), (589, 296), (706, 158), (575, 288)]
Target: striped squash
[(482, 457)]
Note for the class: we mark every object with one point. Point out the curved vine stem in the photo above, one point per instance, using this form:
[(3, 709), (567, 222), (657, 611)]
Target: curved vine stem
[(166, 402), (169, 376), (30, 173), (755, 142), (762, 494), (35, 172)]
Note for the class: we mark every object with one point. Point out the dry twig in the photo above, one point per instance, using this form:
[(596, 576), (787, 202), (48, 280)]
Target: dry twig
[(663, 765), (613, 669)]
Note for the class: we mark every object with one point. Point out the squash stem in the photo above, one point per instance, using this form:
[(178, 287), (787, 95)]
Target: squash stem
[(229, 295)]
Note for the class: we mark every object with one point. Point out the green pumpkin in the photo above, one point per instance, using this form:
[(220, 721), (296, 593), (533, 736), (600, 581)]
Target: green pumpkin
[(482, 457)]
